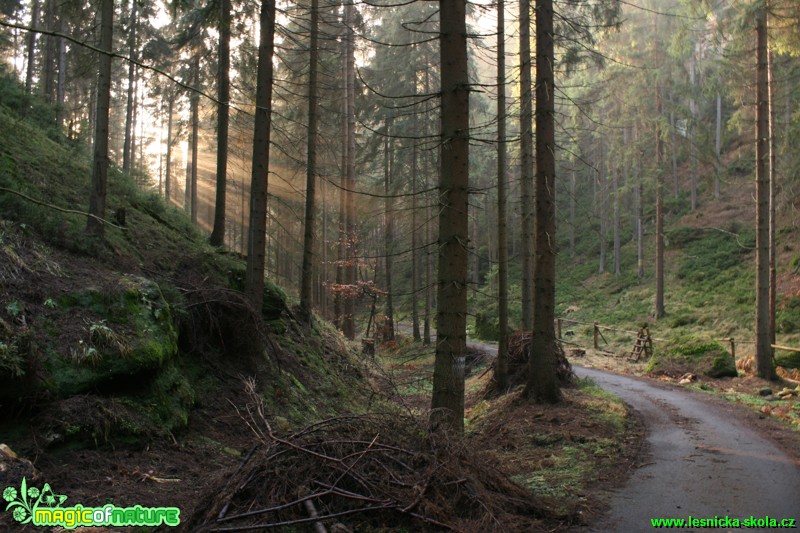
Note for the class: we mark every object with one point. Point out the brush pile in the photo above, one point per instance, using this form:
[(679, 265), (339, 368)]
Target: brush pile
[(370, 472)]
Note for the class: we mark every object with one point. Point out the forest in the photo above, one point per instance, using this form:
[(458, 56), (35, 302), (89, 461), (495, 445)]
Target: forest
[(267, 245)]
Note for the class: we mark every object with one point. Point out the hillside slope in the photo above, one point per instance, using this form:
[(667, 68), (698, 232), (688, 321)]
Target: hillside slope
[(123, 362)]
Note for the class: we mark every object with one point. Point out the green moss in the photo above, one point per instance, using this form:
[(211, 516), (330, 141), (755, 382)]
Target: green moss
[(790, 360), (688, 354), (723, 365), (172, 399), (787, 319), (139, 337)]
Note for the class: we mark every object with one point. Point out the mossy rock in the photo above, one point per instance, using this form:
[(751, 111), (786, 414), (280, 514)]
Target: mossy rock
[(136, 339)]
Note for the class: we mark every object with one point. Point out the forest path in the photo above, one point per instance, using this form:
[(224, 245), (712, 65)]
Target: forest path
[(704, 458)]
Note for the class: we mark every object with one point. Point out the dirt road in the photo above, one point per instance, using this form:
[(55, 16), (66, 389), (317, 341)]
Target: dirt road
[(704, 461)]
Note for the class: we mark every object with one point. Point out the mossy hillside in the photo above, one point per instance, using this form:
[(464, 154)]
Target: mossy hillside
[(144, 324), (686, 354)]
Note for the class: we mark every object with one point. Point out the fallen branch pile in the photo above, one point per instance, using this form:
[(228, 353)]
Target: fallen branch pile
[(364, 472)]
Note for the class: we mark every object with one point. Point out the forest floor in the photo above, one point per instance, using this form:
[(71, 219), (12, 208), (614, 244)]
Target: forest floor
[(567, 457)]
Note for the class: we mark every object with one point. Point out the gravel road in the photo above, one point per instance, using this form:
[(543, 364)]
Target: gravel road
[(704, 461)]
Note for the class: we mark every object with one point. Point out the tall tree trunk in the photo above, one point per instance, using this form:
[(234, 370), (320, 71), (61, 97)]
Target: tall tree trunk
[(764, 352), (773, 258), (168, 169), (62, 71), (31, 47), (195, 105), (617, 236), (428, 257), (602, 203), (256, 239), (526, 161), (447, 403), (311, 169), (97, 198), (542, 383), (717, 146), (127, 150), (324, 294), (414, 245), (659, 155), (217, 237), (348, 328), (501, 366), (572, 191), (388, 236), (674, 150), (693, 131), (639, 211), (338, 301), (134, 120), (49, 62)]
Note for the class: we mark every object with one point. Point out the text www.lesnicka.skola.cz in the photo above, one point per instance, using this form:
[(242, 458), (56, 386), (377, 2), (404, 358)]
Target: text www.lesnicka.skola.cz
[(724, 521)]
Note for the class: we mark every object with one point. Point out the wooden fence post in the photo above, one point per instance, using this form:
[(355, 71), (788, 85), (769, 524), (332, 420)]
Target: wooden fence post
[(733, 348), (596, 335)]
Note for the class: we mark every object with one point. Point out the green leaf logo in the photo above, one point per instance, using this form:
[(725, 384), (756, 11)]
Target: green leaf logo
[(23, 502)]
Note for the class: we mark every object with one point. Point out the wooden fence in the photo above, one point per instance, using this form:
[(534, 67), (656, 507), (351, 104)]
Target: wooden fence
[(598, 329)]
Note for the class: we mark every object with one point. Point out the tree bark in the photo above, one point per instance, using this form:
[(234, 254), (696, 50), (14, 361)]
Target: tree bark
[(428, 257), (447, 401), (693, 132), (542, 384), (348, 327), (388, 236), (31, 48), (414, 245), (674, 150), (338, 300), (764, 352), (311, 169), (97, 199), (501, 365), (617, 236), (217, 237), (773, 274), (717, 146), (168, 166), (195, 105), (639, 211), (526, 158), (256, 239), (61, 85), (127, 151), (573, 179), (48, 69), (659, 171)]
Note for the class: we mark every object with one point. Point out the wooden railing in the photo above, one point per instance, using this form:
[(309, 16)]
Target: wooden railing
[(597, 336)]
